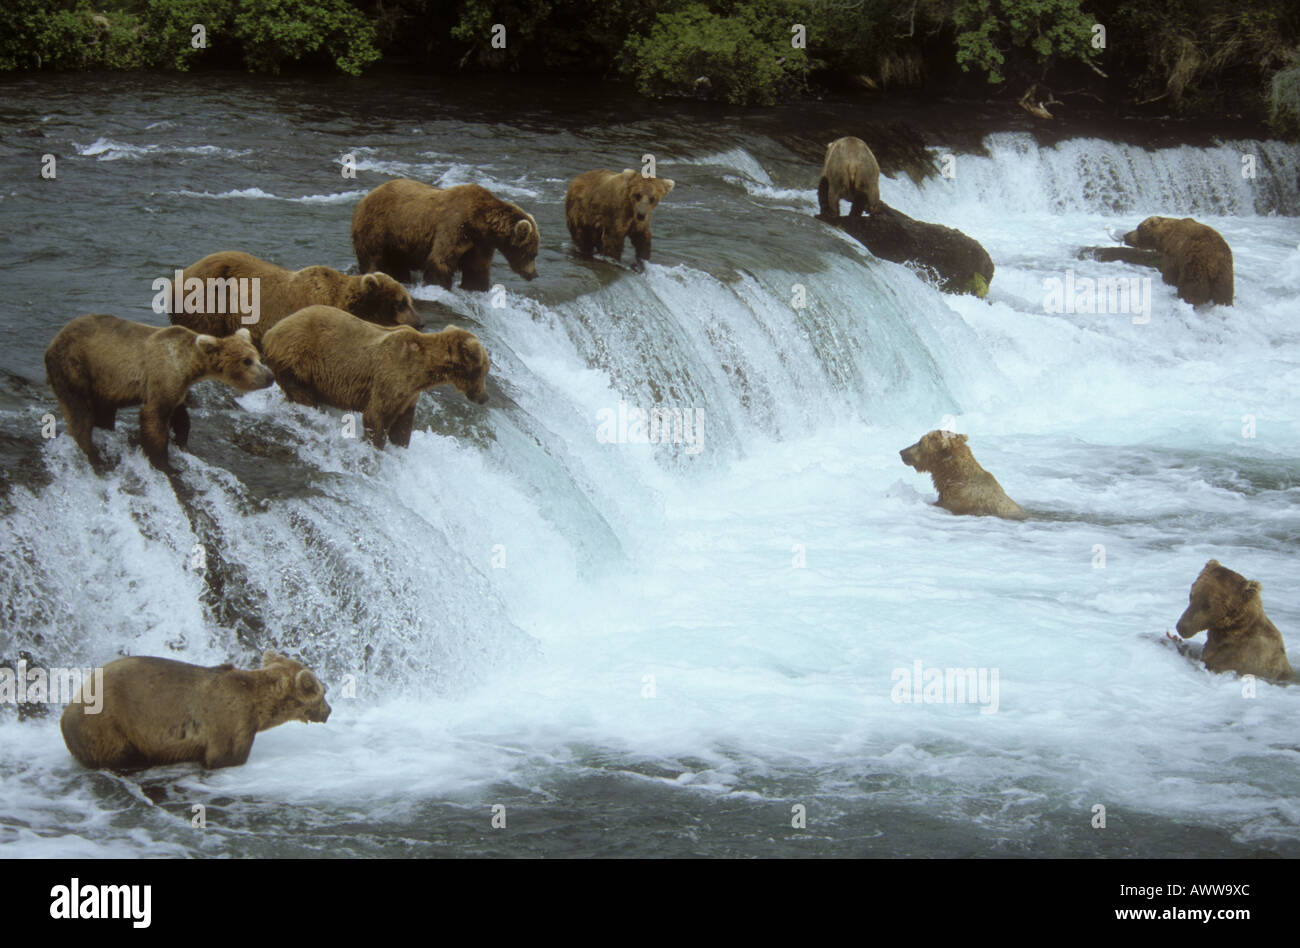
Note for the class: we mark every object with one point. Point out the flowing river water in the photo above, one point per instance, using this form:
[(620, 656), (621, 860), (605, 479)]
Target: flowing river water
[(661, 649)]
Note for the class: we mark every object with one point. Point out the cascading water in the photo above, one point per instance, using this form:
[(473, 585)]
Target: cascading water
[(660, 647)]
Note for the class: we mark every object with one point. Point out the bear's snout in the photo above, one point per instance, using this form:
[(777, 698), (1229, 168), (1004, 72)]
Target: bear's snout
[(319, 714), (909, 456), (268, 377), (1131, 238)]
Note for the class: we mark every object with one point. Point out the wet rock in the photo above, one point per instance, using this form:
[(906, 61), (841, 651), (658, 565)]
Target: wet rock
[(961, 263)]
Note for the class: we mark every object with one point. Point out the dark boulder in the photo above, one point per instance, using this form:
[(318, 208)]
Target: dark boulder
[(962, 265)]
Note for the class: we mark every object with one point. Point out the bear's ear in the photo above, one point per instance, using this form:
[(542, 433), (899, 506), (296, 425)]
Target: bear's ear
[(1211, 564), (206, 343), (270, 657), (308, 684), (523, 229), (245, 335), (668, 184), (369, 281)]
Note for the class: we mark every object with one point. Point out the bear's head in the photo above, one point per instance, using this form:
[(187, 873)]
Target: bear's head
[(451, 357), (294, 693), (931, 450), (520, 250), (234, 360), (384, 301), (1220, 599), (1150, 234), (645, 193)]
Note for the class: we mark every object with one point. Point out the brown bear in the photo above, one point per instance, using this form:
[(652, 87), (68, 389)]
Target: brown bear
[(603, 209), (1194, 258), (964, 487), (324, 356), (849, 171), (98, 364), (376, 297), (1241, 638), (155, 711), (404, 225)]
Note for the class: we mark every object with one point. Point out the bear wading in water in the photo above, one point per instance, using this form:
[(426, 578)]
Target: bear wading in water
[(405, 225), (964, 487), (324, 356), (604, 209), (1194, 258), (156, 711), (1241, 637), (375, 297), (98, 364)]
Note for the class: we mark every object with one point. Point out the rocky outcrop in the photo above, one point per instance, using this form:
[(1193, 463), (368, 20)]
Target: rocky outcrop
[(960, 262)]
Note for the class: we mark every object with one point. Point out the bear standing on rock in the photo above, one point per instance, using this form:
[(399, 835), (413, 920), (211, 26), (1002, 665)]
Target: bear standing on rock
[(374, 297), (324, 356), (155, 711), (1194, 258), (964, 487), (98, 364), (603, 209), (850, 171), (1241, 637), (404, 225)]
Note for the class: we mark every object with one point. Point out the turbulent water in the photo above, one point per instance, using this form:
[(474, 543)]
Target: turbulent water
[(643, 649)]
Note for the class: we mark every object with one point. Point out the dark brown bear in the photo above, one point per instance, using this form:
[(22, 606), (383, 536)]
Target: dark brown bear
[(849, 171), (964, 487), (1241, 638), (155, 711), (604, 208), (1193, 258), (324, 356), (404, 225), (98, 364), (376, 297)]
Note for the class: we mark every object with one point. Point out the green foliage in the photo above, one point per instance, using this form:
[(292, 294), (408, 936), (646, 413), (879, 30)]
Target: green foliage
[(49, 34), (745, 58), (988, 30), (1284, 99), (273, 32), (170, 26)]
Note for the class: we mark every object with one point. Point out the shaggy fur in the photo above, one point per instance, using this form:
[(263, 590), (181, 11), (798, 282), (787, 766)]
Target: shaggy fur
[(603, 209), (850, 171), (964, 487), (374, 297), (98, 364), (159, 711), (1241, 638), (1194, 258), (324, 356), (404, 225)]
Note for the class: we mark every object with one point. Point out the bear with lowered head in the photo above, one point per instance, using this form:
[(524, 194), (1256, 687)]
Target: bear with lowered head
[(154, 711)]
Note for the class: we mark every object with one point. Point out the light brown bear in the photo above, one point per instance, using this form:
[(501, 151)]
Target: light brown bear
[(603, 209), (1194, 258), (964, 487), (98, 364), (324, 356), (155, 711), (1241, 638), (405, 225), (376, 297), (849, 171)]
